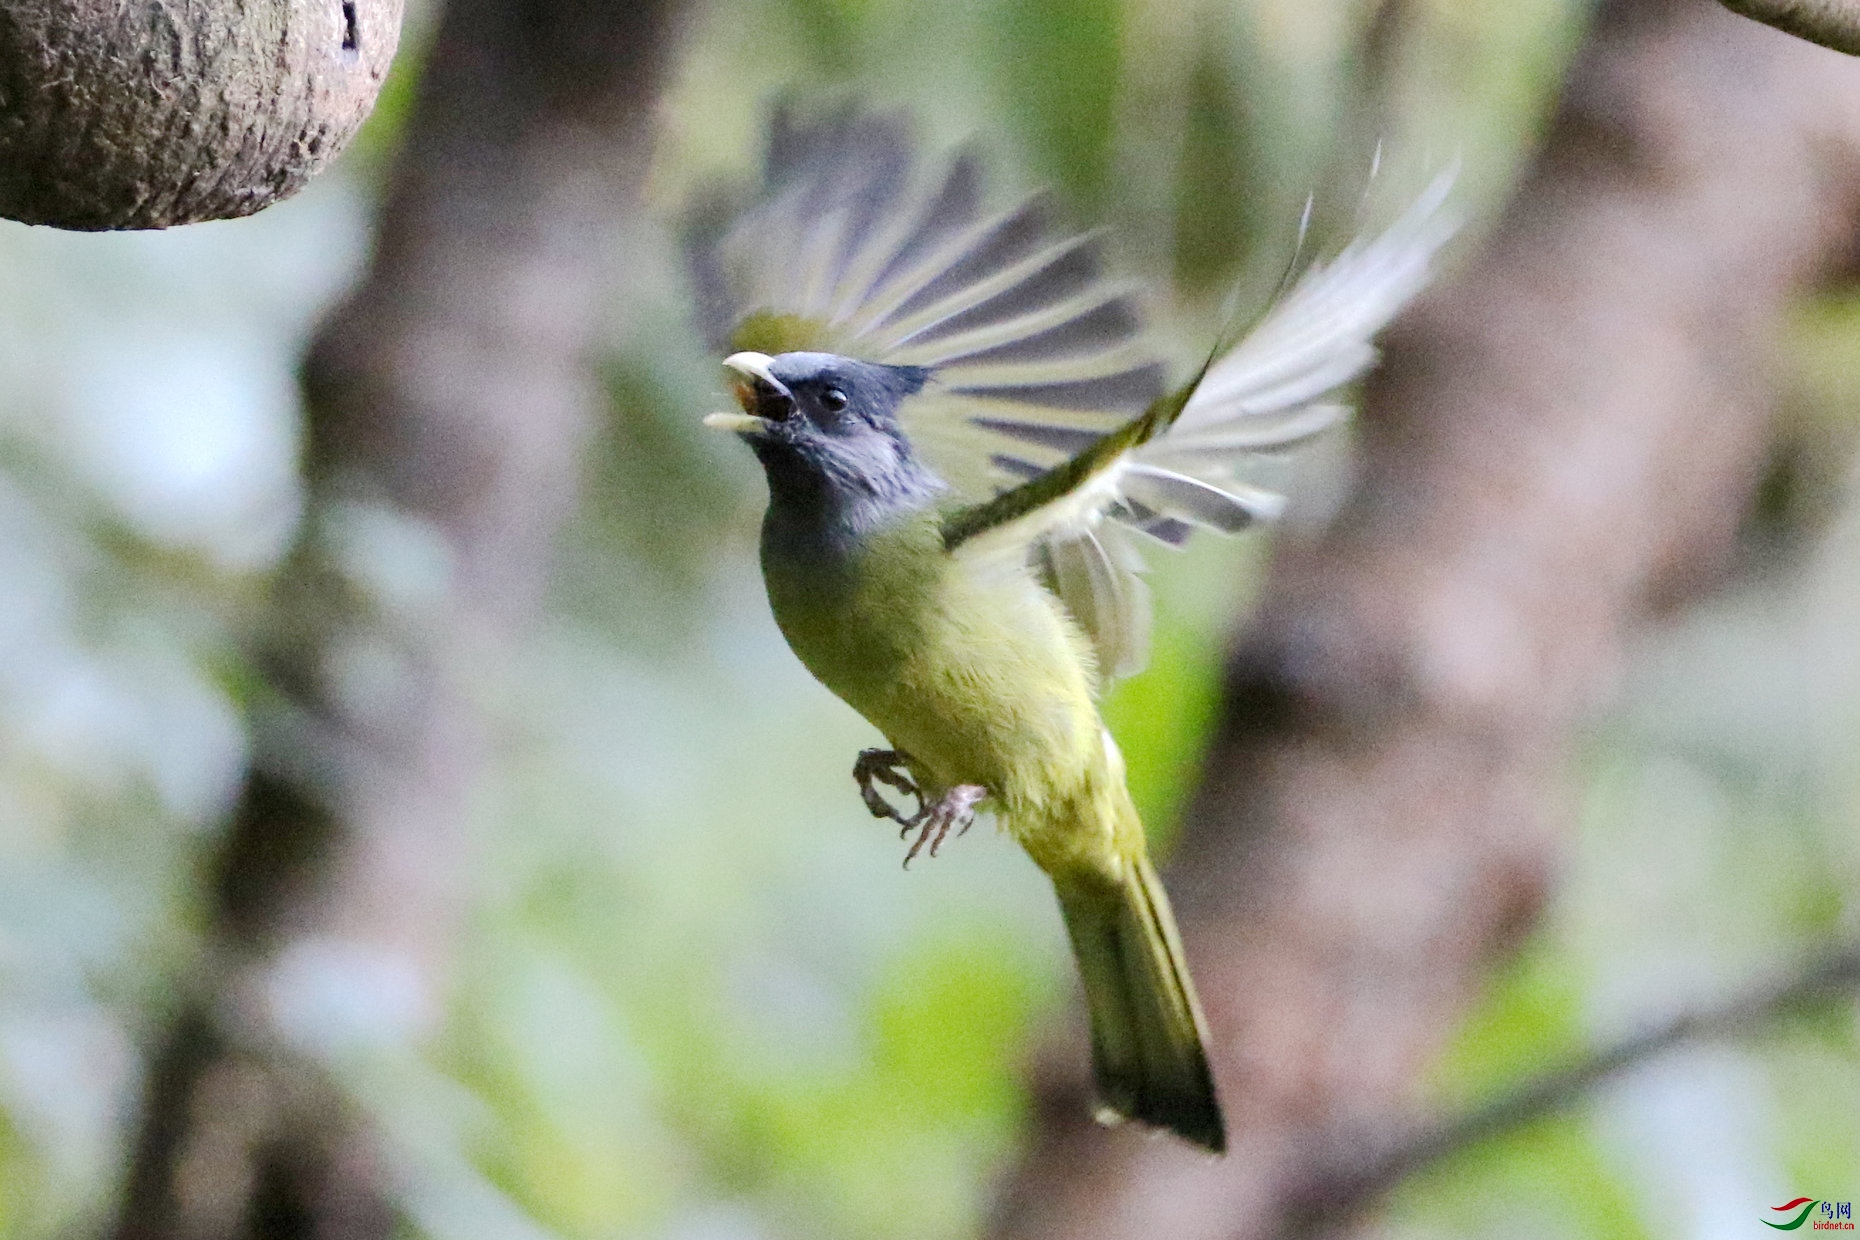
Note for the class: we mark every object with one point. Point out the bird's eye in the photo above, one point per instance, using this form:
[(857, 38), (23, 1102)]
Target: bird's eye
[(833, 400)]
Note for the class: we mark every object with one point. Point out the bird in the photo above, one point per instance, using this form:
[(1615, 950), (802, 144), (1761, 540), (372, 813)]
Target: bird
[(967, 443)]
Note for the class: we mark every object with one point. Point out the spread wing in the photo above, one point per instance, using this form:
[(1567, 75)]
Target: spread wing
[(857, 246), (1045, 411), (1179, 467)]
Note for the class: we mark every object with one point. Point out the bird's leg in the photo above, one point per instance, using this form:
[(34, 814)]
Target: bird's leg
[(885, 766), (954, 808)]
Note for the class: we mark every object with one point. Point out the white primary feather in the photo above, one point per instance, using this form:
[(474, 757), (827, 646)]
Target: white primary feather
[(1271, 391)]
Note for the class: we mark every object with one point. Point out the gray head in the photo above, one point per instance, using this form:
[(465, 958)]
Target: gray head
[(826, 430)]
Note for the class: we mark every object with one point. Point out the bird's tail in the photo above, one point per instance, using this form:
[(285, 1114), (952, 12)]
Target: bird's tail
[(1147, 1032)]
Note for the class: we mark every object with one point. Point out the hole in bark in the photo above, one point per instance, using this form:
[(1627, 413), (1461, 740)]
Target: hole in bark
[(351, 31)]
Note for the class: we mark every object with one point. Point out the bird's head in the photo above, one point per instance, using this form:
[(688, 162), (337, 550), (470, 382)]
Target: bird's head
[(819, 420)]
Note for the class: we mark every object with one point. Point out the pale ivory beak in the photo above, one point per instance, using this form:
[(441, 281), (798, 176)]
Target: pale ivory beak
[(753, 367)]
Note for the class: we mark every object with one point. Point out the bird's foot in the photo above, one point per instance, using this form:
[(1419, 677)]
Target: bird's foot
[(886, 766), (955, 808)]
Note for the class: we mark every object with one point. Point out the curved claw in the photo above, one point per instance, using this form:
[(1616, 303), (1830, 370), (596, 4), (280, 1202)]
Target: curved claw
[(886, 766), (955, 808)]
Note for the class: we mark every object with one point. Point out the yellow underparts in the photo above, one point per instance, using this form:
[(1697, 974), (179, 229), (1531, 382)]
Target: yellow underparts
[(972, 668)]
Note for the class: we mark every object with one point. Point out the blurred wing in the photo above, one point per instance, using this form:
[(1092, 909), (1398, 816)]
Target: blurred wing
[(1175, 469), (857, 247)]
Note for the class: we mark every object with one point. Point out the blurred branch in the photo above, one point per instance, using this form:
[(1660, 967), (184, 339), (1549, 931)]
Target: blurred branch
[(1828, 977), (1830, 23), (1559, 446), (449, 398)]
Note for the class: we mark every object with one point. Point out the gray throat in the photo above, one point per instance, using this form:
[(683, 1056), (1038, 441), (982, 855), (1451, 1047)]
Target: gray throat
[(818, 505)]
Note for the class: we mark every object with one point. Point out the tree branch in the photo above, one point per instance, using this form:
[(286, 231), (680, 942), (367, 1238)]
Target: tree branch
[(1828, 977), (449, 398), (1830, 23)]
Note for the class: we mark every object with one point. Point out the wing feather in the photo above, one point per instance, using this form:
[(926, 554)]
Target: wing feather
[(1045, 409), (1106, 596), (1078, 326), (1168, 493), (1175, 469), (858, 246), (1053, 275), (1107, 393), (992, 256), (951, 210)]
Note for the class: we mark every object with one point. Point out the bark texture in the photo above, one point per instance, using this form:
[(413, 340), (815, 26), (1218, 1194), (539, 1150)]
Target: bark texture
[(150, 113), (1831, 23), (449, 398), (1560, 443)]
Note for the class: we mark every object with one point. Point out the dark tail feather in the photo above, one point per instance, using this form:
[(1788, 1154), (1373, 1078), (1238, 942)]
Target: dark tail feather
[(1147, 1031)]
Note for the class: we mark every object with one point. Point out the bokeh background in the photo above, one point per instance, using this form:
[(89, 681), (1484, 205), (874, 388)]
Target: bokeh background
[(683, 989)]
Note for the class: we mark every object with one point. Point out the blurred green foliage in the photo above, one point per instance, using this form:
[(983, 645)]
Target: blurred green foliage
[(697, 998)]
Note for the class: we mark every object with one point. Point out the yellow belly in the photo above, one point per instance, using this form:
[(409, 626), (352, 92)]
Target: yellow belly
[(974, 671)]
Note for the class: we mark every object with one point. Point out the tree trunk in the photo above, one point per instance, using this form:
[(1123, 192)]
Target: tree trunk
[(1559, 444), (449, 399)]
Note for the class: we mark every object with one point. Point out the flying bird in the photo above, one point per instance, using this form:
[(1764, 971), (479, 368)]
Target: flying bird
[(967, 443)]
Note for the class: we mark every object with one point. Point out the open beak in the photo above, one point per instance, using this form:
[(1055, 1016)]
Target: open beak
[(764, 398)]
